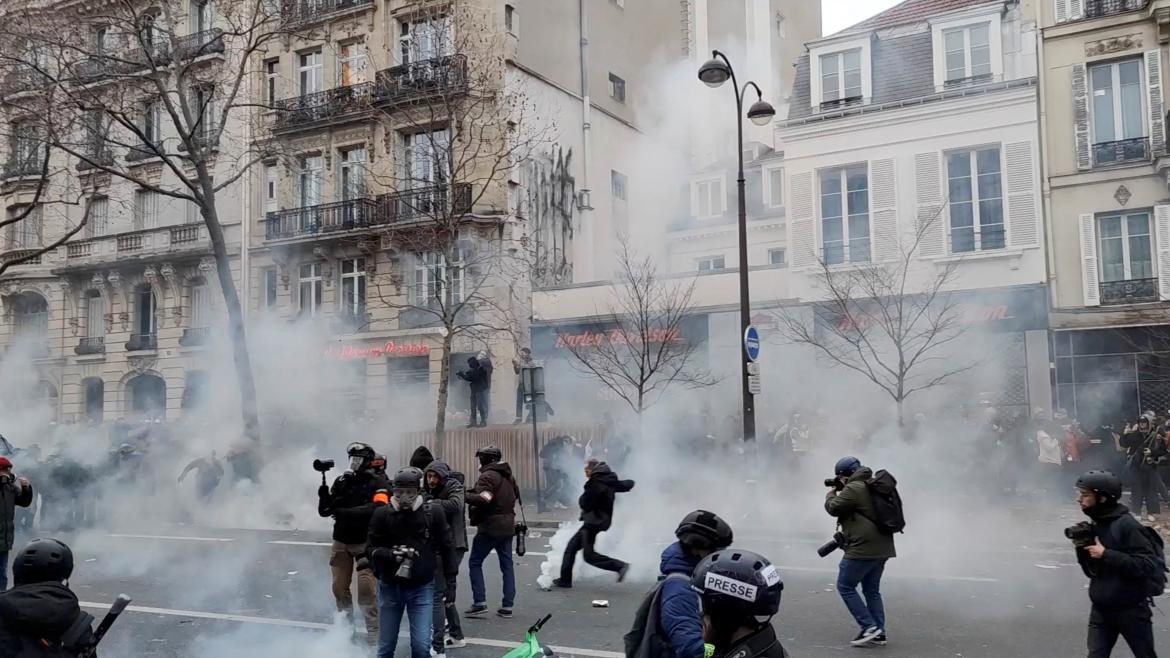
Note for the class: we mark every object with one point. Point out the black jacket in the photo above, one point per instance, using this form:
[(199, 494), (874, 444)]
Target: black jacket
[(449, 496), (42, 612), (1135, 444), (475, 375), (421, 458), (761, 644), (351, 502), (424, 529), (12, 494), (495, 517), (1118, 578), (601, 489)]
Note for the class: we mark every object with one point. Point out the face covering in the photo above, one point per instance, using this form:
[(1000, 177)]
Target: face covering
[(405, 497), (355, 463)]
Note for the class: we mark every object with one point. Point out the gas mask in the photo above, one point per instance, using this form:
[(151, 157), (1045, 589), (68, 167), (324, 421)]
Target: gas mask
[(356, 463), (406, 498)]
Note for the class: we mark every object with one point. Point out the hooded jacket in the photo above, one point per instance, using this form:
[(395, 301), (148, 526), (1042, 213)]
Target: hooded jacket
[(1118, 578), (12, 494), (1137, 441), (679, 611), (351, 502), (421, 458), (41, 611), (853, 507), (601, 489), (495, 517), (449, 496)]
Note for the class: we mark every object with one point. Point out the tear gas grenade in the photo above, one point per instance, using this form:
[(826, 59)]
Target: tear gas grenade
[(832, 545), (521, 535), (1082, 534)]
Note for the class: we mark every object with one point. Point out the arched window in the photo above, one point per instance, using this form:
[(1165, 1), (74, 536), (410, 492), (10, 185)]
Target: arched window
[(30, 316), (95, 399), (147, 396)]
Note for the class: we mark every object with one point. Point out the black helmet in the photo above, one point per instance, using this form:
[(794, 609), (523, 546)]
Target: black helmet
[(360, 456), (408, 478), (1101, 483), (704, 530), (847, 466), (738, 583), (489, 454), (42, 561)]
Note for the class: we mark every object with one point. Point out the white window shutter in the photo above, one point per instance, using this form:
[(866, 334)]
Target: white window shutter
[(802, 234), (1157, 108), (930, 223), (1080, 93), (1062, 13), (1022, 218), (1089, 260), (1076, 9), (883, 194), (1162, 239)]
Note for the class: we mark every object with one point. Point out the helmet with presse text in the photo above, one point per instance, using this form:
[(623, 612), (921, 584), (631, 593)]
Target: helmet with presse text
[(738, 583)]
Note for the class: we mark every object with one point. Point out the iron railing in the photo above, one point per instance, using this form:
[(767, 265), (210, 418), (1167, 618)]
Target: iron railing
[(839, 253), (91, 346), (26, 166), (306, 11), (195, 336), (323, 218), (406, 83), (1133, 291), (142, 342), (1123, 150), (1099, 8), (198, 44), (431, 203), (323, 106), (183, 234), (129, 243), (964, 239)]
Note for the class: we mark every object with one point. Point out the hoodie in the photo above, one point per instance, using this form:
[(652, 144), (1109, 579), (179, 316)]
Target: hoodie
[(494, 515), (40, 611), (449, 496), (596, 502), (1118, 578), (678, 605), (421, 458)]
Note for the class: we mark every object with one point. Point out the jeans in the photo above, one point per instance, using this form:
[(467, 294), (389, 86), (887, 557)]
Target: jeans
[(867, 573), (445, 616), (583, 541), (481, 546), (3, 570), (393, 600), (1133, 624), (479, 408)]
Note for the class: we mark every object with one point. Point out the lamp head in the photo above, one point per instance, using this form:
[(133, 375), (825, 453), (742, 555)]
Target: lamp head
[(761, 112), (715, 72)]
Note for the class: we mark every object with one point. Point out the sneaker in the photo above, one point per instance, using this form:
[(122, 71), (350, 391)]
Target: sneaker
[(622, 574), (455, 643), (476, 610), (557, 582), (866, 637), (506, 613), (880, 640), (436, 654)]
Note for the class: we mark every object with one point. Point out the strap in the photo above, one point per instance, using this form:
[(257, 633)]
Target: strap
[(516, 488)]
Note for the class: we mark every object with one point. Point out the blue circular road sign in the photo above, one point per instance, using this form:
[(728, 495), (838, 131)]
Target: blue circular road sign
[(751, 343)]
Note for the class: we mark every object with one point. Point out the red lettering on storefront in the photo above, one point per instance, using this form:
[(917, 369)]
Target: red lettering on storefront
[(616, 337), (375, 351)]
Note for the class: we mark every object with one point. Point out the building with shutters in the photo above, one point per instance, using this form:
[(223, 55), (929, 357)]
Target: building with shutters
[(924, 117), (1106, 163)]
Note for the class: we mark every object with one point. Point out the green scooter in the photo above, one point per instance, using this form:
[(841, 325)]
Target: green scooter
[(531, 647)]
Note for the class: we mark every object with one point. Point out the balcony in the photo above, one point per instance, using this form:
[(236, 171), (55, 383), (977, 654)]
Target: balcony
[(297, 12), (100, 155), (153, 244), (198, 44), (88, 346), (1101, 8), (129, 243), (194, 336), (16, 254), (409, 83), (435, 202), (140, 342), (1122, 151), (24, 167), (144, 152), (1133, 291), (323, 219), (323, 107)]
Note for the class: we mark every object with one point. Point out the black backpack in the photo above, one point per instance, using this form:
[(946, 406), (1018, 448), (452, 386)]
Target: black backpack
[(645, 640), (887, 504), (1156, 585)]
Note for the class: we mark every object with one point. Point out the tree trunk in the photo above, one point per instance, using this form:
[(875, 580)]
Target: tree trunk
[(901, 415), (444, 386)]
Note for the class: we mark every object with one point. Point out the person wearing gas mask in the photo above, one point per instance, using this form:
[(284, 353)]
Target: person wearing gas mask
[(351, 501), (444, 488), (409, 540), (740, 593), (40, 615)]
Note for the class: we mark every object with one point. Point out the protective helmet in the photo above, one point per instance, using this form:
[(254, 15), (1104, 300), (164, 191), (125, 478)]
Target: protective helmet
[(704, 530), (737, 583), (1101, 483), (360, 456), (42, 561), (847, 466), (408, 478), (489, 454), (378, 464)]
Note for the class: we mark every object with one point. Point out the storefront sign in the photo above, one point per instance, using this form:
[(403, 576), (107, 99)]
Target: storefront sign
[(616, 337), (553, 341), (1016, 310), (391, 348)]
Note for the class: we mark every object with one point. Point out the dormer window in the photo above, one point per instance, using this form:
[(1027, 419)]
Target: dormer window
[(841, 76), (967, 49), (840, 72), (968, 52)]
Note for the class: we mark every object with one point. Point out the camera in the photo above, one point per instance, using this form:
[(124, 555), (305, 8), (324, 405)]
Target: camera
[(832, 545), (834, 483), (521, 532), (406, 556), (1082, 534), (323, 465)]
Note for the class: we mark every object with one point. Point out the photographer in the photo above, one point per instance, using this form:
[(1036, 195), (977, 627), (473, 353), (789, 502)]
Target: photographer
[(408, 540), (1144, 449), (351, 501), (1123, 565), (40, 616), (491, 507), (866, 549), (740, 593)]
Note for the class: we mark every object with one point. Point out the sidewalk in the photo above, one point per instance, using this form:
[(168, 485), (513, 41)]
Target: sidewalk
[(550, 519)]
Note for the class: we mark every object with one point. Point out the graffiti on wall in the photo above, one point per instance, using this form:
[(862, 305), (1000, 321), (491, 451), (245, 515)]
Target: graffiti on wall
[(551, 192)]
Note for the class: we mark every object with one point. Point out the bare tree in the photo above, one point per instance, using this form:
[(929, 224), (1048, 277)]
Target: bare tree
[(889, 321), (637, 348)]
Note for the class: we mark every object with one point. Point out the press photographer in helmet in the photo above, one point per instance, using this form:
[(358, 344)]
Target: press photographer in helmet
[(351, 502), (740, 593)]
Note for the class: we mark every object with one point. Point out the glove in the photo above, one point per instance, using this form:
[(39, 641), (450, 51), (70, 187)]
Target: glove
[(323, 491)]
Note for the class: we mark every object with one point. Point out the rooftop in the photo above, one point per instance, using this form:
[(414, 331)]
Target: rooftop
[(910, 11)]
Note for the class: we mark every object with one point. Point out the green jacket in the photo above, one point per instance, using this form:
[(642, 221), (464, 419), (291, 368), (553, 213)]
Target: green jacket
[(853, 507)]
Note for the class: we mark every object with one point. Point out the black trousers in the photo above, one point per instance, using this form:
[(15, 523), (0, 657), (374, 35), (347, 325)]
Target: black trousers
[(583, 541), (1134, 624), (444, 615), (1145, 489)]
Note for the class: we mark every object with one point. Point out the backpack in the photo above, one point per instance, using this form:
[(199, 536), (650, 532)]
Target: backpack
[(645, 640), (76, 641), (887, 504), (1156, 585)]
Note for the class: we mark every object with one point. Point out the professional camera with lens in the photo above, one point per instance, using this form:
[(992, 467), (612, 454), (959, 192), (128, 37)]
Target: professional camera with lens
[(405, 556), (833, 544), (1081, 534), (323, 465), (834, 483)]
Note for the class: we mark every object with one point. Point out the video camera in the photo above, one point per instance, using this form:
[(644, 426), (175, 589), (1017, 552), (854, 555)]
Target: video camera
[(323, 465), (1082, 534)]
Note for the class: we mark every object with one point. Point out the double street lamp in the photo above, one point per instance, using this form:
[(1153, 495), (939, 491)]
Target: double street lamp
[(714, 73)]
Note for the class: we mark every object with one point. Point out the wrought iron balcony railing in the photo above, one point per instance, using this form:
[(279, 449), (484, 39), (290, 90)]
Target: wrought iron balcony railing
[(407, 83), (26, 166), (1121, 151), (142, 342), (323, 106), (1133, 291), (323, 218), (97, 155), (198, 44), (306, 11), (193, 336), (432, 203), (1100, 8), (90, 346)]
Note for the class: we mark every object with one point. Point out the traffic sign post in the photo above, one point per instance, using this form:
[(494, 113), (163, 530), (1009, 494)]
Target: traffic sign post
[(751, 343)]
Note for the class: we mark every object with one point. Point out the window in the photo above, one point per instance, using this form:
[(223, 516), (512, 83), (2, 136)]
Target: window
[(1126, 252), (310, 72), (353, 289), (269, 287), (617, 88), (202, 15), (1118, 111), (425, 40), (309, 181), (26, 233), (95, 315), (310, 288), (707, 198), (775, 178), (150, 33), (26, 146), (619, 183), (353, 174), (151, 123), (968, 52), (351, 64), (145, 209), (270, 187), (975, 193), (203, 103), (103, 40), (845, 215), (144, 305), (193, 214), (435, 280), (512, 20), (711, 263), (778, 257), (271, 70), (425, 158), (841, 76), (200, 305), (31, 317), (99, 217)]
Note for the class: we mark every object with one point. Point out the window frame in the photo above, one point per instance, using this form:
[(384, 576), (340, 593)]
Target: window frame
[(976, 200), (271, 176), (352, 303), (92, 331), (271, 76), (271, 289), (313, 71), (28, 233), (838, 58), (313, 281), (847, 255), (967, 50), (961, 19), (146, 318), (710, 262), (200, 302), (1126, 254), (428, 283), (783, 251), (770, 190), (696, 186), (352, 68), (98, 223), (512, 20), (619, 185), (1118, 109), (617, 88), (351, 173), (145, 209)]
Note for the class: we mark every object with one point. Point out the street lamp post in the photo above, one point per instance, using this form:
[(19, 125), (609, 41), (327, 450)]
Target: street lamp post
[(714, 73)]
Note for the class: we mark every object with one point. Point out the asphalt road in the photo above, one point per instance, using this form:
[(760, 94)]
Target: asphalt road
[(223, 594)]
